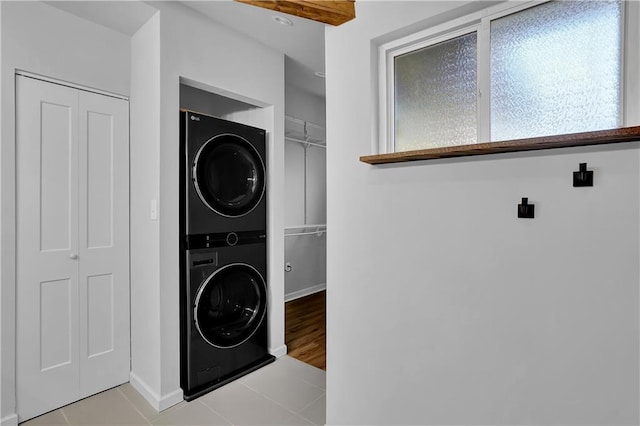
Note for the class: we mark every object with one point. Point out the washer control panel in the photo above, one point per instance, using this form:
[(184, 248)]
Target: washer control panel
[(224, 239)]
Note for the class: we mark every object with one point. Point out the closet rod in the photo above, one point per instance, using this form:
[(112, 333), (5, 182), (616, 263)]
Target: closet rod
[(318, 233), (302, 141), (303, 122)]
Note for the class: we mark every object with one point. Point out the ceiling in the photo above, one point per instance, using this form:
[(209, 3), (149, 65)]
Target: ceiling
[(123, 16), (302, 43)]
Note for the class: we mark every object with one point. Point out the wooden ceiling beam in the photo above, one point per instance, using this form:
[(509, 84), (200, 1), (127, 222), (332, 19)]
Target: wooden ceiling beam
[(332, 12)]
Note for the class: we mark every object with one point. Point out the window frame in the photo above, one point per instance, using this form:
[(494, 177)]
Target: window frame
[(390, 79), (480, 22)]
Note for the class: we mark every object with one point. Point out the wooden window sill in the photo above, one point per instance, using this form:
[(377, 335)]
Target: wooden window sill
[(624, 134)]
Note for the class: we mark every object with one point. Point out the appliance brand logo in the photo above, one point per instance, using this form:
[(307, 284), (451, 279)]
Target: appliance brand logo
[(194, 118)]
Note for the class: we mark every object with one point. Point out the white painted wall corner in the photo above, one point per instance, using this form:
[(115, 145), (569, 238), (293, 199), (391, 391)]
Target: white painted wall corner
[(10, 420), (279, 351), (159, 402)]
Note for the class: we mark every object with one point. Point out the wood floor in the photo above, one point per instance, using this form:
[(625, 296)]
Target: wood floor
[(305, 334)]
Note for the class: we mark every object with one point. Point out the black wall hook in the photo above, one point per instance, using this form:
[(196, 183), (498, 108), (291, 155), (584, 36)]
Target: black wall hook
[(526, 210), (583, 177)]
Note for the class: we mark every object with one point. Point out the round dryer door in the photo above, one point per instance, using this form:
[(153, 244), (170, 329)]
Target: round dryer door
[(230, 305), (229, 175)]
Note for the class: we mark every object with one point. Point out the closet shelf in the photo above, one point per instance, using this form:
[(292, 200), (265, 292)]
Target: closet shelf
[(304, 132)]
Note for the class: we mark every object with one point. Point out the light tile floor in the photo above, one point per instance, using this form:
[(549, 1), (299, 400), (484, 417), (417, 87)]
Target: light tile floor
[(287, 392)]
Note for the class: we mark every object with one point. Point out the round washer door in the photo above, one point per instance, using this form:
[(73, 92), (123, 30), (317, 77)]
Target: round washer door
[(230, 305), (229, 175)]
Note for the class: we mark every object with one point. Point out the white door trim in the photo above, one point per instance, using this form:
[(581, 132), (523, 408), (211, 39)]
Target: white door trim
[(69, 84)]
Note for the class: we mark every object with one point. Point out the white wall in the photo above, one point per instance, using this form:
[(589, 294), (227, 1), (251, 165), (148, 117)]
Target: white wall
[(145, 186), (42, 39), (443, 307), (9, 386), (197, 50), (304, 105), (307, 253)]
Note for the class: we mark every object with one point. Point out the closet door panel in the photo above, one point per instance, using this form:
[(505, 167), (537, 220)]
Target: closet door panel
[(47, 234), (99, 194), (56, 171), (72, 166), (104, 242), (99, 315)]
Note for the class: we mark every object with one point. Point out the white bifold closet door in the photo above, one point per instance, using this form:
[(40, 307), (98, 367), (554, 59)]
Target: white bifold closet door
[(72, 238)]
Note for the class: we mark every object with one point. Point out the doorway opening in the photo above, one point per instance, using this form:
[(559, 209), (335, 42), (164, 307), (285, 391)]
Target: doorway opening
[(305, 226)]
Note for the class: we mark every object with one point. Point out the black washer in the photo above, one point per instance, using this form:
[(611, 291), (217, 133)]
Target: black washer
[(230, 305)]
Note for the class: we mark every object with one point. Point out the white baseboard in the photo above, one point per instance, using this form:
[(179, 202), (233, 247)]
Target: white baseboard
[(279, 351), (171, 399), (10, 420), (304, 292), (158, 402)]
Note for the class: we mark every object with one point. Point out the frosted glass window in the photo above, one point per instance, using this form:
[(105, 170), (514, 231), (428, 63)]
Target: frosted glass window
[(556, 69), (435, 95)]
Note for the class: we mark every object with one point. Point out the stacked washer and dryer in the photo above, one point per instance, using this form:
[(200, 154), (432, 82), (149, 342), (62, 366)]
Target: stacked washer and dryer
[(223, 264)]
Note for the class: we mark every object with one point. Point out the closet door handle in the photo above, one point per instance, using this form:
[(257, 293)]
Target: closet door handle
[(73, 256)]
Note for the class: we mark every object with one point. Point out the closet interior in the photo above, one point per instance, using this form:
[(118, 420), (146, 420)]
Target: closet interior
[(305, 201), (305, 240)]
